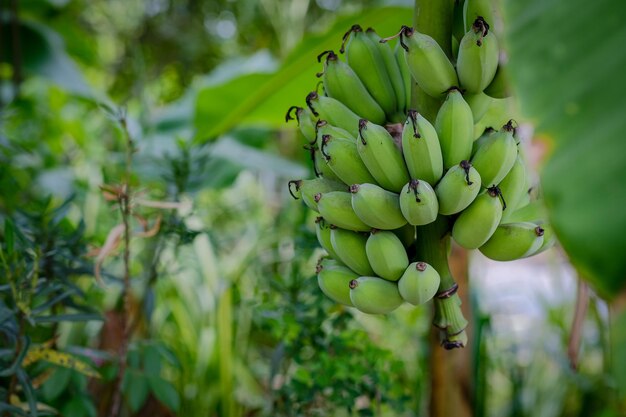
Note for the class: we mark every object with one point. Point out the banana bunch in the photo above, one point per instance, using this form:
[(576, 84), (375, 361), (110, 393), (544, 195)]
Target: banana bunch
[(383, 171)]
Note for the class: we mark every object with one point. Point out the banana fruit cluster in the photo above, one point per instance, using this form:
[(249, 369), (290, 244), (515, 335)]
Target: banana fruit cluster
[(383, 170)]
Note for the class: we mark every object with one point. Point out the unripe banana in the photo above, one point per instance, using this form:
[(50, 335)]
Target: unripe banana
[(455, 129), (343, 158), (381, 156), (549, 240), (478, 57), (419, 283), (421, 149), (479, 220), (322, 170), (386, 255), (322, 231), (335, 283), (418, 203), (342, 83), (328, 262), (367, 62), (350, 249), (427, 62), (533, 212), (306, 121), (458, 188), (496, 156), (480, 141), (513, 241), (306, 189), (377, 207), (499, 86), (392, 70), (334, 112), (472, 9), (323, 128), (513, 186), (479, 103), (407, 79), (374, 295), (336, 208)]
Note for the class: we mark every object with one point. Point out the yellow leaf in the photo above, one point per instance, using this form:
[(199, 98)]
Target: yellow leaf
[(61, 359)]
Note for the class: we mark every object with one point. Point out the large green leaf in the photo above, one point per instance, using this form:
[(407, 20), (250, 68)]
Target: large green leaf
[(262, 98), (567, 61)]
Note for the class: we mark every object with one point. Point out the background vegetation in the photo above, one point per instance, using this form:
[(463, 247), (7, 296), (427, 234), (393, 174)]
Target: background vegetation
[(168, 115)]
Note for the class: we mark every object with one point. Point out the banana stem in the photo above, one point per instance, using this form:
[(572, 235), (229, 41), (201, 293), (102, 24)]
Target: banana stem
[(433, 247)]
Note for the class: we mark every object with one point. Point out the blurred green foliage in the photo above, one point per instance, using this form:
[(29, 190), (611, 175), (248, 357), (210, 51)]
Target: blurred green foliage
[(228, 319)]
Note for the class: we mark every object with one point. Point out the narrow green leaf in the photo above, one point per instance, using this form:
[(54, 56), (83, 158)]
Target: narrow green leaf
[(165, 393), (136, 391), (67, 317), (29, 391)]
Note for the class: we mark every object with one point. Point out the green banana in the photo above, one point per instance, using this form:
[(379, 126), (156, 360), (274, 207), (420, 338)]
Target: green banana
[(455, 129), (381, 156), (419, 283), (407, 79), (421, 149), (478, 57), (458, 188), (327, 262), (335, 282), (499, 86), (306, 121), (513, 186), (336, 208), (479, 103), (472, 9), (366, 60), (343, 158), (377, 207), (306, 189), (342, 83), (323, 128), (513, 241), (427, 62), (334, 112), (350, 249), (479, 220), (322, 231), (386, 255), (418, 203), (320, 168), (533, 212), (392, 69), (496, 156), (374, 295), (480, 141), (549, 240)]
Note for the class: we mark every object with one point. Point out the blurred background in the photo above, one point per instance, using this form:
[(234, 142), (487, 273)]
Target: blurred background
[(222, 315)]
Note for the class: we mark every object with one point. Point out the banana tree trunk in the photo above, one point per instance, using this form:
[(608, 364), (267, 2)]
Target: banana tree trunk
[(449, 369)]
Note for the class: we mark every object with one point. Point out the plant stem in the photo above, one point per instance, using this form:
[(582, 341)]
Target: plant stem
[(433, 243), (434, 18), (125, 210)]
